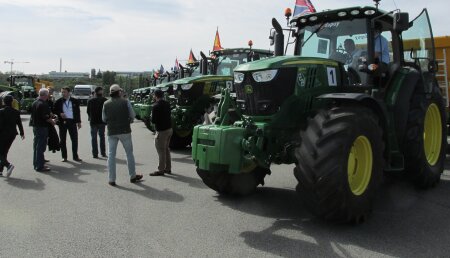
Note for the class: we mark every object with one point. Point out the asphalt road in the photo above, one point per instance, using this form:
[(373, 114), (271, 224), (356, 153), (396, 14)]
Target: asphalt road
[(73, 212)]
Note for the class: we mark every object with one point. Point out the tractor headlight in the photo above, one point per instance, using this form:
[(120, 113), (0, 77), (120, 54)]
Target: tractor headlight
[(264, 76), (187, 86), (238, 77)]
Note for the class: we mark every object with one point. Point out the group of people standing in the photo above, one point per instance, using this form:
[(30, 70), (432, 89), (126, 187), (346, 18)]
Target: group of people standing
[(116, 114)]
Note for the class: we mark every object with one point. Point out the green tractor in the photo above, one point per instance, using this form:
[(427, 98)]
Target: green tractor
[(26, 84), (341, 112), (142, 97), (195, 95), (164, 83)]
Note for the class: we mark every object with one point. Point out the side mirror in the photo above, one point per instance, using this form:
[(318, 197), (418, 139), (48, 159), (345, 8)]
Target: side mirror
[(278, 37), (401, 22), (272, 37)]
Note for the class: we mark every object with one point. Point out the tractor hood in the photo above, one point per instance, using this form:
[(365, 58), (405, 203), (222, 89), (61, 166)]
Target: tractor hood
[(282, 62), (202, 78)]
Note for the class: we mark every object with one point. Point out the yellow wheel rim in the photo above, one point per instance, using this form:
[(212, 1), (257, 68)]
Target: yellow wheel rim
[(432, 134), (359, 166), (248, 165)]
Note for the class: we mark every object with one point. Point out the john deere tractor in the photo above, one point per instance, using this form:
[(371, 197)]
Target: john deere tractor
[(165, 84), (341, 115), (196, 94), (27, 85), (140, 97)]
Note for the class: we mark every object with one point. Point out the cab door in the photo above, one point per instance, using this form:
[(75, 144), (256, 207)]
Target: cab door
[(418, 48)]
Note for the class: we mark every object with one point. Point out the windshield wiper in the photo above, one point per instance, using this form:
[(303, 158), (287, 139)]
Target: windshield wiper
[(314, 32)]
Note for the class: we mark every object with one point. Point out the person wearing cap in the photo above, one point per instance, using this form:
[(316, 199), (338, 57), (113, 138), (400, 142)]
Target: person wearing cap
[(118, 115), (67, 109), (94, 111), (40, 120), (161, 119), (9, 121)]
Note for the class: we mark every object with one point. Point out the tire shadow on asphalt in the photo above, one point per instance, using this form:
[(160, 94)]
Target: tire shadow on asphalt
[(192, 182), (25, 184), (152, 193), (403, 220)]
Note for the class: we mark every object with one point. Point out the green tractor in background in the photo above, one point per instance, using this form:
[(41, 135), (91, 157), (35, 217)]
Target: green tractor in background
[(341, 118), (26, 84), (138, 99), (195, 95), (145, 105), (163, 83)]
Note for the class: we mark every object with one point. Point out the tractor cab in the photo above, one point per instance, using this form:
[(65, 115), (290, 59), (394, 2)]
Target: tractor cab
[(224, 61)]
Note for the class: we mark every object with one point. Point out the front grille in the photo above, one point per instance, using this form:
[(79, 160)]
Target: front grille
[(187, 97), (265, 98)]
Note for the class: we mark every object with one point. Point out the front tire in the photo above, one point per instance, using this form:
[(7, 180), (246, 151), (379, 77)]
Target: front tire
[(234, 184), (340, 163)]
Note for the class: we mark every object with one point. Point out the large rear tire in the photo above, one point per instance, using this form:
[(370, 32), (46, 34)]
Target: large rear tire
[(340, 163), (234, 184), (426, 138)]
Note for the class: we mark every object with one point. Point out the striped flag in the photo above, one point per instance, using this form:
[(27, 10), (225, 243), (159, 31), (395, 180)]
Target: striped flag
[(303, 7), (177, 65)]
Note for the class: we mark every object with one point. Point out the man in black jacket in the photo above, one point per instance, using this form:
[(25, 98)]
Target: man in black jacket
[(9, 121), (94, 111), (67, 109), (161, 119), (40, 120)]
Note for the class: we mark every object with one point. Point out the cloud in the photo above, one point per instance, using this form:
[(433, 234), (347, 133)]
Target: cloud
[(143, 34)]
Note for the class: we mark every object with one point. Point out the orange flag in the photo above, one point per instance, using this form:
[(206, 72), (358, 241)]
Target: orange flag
[(217, 46), (192, 58)]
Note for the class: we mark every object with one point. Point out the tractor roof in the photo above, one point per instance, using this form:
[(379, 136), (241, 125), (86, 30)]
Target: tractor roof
[(348, 13), (231, 51)]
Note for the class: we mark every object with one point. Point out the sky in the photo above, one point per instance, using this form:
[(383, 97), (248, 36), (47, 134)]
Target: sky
[(141, 35)]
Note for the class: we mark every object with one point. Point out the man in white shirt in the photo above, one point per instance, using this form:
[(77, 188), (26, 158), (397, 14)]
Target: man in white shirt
[(67, 109)]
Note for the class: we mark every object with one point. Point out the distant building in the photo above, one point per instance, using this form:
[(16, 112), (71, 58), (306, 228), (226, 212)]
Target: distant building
[(132, 74), (55, 75)]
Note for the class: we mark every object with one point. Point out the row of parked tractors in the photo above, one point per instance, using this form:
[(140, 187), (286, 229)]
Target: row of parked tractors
[(344, 117)]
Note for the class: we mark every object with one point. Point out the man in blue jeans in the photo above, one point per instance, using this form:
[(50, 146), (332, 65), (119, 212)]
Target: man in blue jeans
[(118, 115), (94, 111), (40, 120)]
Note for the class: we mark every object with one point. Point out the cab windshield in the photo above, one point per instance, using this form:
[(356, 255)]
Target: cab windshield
[(343, 41), (227, 63), (24, 81)]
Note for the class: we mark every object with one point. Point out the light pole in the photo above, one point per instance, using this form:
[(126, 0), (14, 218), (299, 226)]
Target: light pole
[(12, 62)]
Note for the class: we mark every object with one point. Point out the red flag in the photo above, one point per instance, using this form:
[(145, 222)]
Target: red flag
[(303, 7), (192, 58), (217, 46), (177, 65)]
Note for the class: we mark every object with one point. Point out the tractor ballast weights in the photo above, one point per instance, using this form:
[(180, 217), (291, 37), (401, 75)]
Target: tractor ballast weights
[(357, 98)]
